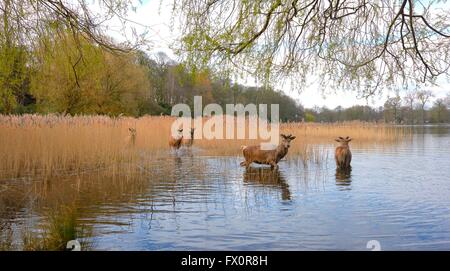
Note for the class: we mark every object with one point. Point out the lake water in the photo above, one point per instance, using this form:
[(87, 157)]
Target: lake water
[(398, 195)]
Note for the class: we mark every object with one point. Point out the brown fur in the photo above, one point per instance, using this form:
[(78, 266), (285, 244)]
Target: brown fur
[(343, 155), (132, 137), (175, 142), (254, 154)]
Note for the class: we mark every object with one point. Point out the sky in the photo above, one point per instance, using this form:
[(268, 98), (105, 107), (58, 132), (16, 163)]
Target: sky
[(157, 15)]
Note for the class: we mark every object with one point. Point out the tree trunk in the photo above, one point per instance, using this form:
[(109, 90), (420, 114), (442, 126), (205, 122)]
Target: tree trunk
[(423, 114)]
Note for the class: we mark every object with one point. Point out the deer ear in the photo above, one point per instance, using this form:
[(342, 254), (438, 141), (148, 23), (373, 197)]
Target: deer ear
[(338, 140), (283, 136), (349, 139), (292, 137)]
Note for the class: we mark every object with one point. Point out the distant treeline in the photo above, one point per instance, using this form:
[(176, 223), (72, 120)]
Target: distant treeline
[(396, 113), (62, 73)]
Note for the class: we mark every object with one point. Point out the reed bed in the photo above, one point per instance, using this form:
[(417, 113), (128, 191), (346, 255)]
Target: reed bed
[(60, 226), (45, 215), (51, 145)]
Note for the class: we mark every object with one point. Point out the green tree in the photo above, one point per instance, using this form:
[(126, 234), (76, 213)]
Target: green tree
[(77, 77), (309, 117), (13, 63), (13, 77), (23, 24)]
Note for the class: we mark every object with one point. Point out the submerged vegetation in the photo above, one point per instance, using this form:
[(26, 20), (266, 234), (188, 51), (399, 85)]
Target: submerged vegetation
[(60, 225), (46, 214)]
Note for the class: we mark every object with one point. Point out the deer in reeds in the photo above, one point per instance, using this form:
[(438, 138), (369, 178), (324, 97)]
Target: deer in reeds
[(254, 154), (175, 141), (132, 136), (343, 155), (188, 142)]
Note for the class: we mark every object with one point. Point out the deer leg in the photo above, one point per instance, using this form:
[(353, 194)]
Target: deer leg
[(273, 165), (340, 164), (246, 164)]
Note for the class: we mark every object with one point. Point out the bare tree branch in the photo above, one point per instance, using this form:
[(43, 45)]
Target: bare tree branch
[(357, 44)]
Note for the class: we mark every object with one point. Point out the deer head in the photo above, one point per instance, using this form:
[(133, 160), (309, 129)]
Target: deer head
[(286, 140), (343, 141), (132, 132)]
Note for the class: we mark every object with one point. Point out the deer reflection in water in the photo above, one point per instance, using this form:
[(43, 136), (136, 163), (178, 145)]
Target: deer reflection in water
[(344, 178), (266, 177)]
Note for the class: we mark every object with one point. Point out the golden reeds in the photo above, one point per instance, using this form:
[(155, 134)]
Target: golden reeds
[(34, 146)]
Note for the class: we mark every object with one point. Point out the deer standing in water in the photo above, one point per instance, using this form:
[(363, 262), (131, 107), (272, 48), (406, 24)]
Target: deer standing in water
[(269, 157), (188, 142), (343, 155), (175, 142)]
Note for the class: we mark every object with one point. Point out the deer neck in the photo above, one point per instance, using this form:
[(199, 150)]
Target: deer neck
[(281, 151)]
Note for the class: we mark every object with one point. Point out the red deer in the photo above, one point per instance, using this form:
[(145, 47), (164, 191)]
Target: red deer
[(132, 137), (175, 142), (188, 142), (343, 155), (268, 157)]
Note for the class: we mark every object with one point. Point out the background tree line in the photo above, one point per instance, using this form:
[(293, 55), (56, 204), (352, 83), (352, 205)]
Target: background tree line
[(415, 107)]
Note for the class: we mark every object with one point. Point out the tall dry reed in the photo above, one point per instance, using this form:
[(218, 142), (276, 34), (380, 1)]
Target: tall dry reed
[(47, 146)]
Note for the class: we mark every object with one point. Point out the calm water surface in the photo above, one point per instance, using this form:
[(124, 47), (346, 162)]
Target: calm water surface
[(398, 195)]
